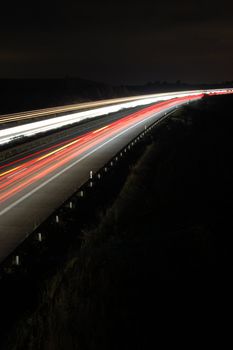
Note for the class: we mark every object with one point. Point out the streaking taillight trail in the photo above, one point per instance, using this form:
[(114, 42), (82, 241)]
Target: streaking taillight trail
[(17, 175), (34, 186)]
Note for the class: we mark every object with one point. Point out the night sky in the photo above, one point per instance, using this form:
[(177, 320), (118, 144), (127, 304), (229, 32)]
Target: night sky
[(169, 40)]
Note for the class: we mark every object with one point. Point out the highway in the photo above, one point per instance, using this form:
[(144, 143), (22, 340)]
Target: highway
[(86, 106), (34, 185), (10, 133), (32, 127), (53, 111)]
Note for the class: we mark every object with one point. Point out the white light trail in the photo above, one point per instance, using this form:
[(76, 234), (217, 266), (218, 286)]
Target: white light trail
[(10, 134)]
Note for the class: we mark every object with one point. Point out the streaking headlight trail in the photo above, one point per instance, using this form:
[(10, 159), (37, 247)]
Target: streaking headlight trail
[(10, 134)]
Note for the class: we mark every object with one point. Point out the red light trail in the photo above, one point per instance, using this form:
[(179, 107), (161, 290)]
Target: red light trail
[(36, 166)]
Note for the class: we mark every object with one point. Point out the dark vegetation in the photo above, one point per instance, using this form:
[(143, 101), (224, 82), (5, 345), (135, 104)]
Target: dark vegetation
[(22, 95), (156, 261)]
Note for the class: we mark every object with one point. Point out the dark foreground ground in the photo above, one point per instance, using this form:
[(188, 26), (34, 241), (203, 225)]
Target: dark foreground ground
[(158, 267)]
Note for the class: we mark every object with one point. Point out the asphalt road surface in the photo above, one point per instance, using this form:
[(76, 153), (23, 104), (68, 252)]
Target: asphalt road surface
[(22, 116), (35, 184)]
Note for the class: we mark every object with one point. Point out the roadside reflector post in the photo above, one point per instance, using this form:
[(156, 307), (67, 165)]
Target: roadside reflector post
[(71, 205), (105, 169), (39, 237), (81, 193), (91, 174), (57, 219), (99, 176), (91, 184), (17, 260), (111, 163)]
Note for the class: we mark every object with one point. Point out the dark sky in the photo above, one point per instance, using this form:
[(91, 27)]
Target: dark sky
[(121, 43)]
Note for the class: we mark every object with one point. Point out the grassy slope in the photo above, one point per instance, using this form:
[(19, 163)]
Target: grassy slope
[(154, 263)]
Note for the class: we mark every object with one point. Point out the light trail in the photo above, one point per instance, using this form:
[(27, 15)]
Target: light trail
[(12, 133), (41, 166), (99, 108), (9, 118), (8, 171), (26, 130), (34, 186), (98, 130)]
